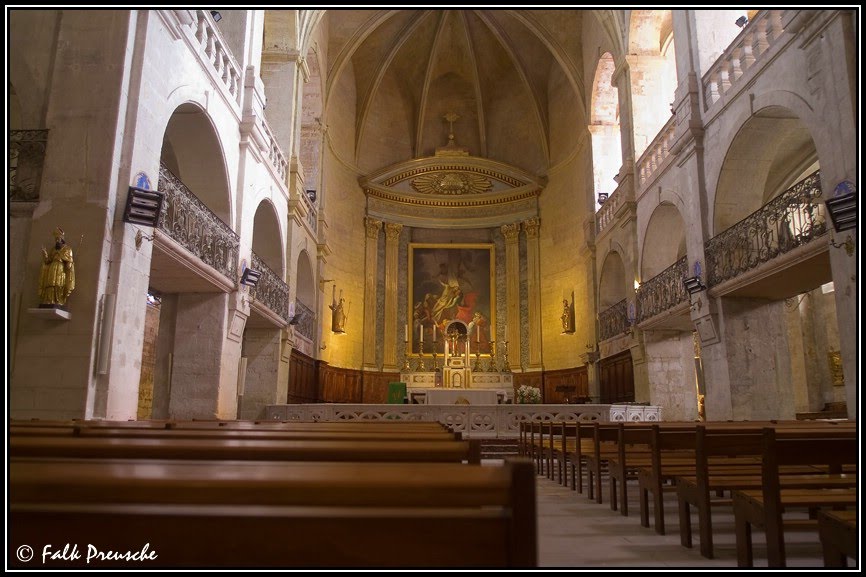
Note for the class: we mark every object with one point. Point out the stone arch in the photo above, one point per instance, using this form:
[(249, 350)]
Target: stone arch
[(653, 73), (604, 129), (772, 149), (305, 288), (664, 241), (193, 152), (267, 236), (612, 286)]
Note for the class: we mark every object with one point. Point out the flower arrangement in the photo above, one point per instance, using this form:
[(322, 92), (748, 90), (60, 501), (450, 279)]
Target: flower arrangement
[(527, 395)]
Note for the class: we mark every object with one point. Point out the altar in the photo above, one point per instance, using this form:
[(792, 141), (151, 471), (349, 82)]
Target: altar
[(457, 396)]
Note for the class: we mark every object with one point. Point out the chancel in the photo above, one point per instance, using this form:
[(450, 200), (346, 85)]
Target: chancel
[(574, 241)]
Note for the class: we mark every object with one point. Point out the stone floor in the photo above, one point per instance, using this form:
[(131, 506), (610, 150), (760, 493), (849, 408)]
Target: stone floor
[(576, 533)]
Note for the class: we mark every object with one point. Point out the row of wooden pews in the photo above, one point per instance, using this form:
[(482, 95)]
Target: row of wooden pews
[(221, 494), (775, 475)]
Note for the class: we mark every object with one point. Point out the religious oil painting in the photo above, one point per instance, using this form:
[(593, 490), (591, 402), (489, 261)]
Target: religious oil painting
[(451, 296)]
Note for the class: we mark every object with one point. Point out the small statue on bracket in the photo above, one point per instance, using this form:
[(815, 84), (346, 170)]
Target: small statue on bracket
[(57, 278)]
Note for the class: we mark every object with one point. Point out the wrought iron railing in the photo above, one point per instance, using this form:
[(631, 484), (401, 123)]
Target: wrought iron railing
[(307, 324), (663, 292), (271, 291), (613, 321), (792, 219), (192, 224), (26, 155)]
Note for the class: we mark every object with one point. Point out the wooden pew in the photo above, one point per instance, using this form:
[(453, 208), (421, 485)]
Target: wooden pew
[(241, 449), (765, 507), (712, 476), (838, 533), (219, 514)]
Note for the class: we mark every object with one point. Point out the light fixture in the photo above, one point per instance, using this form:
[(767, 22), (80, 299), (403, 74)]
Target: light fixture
[(216, 15), (143, 206), (602, 197), (843, 211), (742, 21), (311, 194), (693, 284), (250, 277)]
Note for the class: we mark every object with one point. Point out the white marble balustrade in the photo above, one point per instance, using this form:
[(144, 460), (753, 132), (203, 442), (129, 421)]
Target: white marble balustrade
[(475, 421)]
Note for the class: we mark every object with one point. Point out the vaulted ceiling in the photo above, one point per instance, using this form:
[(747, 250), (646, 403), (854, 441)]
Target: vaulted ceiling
[(508, 74)]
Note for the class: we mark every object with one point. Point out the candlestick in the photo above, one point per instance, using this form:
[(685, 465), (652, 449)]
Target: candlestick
[(420, 333), (477, 333), (406, 333), (434, 335)]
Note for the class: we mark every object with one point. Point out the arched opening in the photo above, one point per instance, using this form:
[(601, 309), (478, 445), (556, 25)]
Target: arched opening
[(266, 238), (612, 284), (305, 304), (767, 210), (652, 65), (604, 129), (192, 152), (664, 242), (194, 265)]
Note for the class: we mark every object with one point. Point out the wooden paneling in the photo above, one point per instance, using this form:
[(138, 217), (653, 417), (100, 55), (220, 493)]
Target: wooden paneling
[(303, 379), (530, 380), (339, 385), (616, 379), (376, 386), (566, 385)]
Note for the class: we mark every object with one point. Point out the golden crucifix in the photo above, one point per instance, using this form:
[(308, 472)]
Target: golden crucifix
[(451, 118)]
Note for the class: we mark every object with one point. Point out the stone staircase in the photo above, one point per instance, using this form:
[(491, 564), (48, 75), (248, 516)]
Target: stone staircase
[(498, 448)]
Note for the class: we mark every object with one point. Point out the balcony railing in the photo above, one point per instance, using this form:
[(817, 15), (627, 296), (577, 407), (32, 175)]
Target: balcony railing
[(26, 156), (746, 49), (663, 291), (213, 48), (613, 321), (656, 153), (192, 224), (276, 156), (606, 213), (306, 327), (271, 291), (792, 219)]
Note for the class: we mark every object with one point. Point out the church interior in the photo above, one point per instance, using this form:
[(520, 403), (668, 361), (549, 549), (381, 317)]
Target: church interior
[(358, 260)]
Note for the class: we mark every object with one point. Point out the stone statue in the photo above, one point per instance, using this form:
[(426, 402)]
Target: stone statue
[(57, 278), (338, 314)]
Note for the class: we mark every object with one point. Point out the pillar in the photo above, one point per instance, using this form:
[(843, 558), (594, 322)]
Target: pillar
[(392, 240), (370, 261)]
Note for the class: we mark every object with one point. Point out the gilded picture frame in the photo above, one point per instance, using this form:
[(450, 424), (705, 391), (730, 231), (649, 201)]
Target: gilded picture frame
[(450, 282)]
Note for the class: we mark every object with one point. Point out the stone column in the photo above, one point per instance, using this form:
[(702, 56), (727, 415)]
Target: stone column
[(373, 227), (512, 292), (533, 267), (261, 348), (283, 75), (392, 241)]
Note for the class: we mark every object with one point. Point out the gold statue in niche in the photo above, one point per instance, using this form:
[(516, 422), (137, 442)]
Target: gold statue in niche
[(338, 313), (57, 278)]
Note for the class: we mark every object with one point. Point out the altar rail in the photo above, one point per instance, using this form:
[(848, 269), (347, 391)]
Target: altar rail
[(475, 421)]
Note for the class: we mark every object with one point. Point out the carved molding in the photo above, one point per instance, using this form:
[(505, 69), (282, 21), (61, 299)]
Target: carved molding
[(392, 230), (531, 227), (451, 183)]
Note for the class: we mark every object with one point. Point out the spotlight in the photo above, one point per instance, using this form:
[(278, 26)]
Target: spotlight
[(216, 15), (742, 21)]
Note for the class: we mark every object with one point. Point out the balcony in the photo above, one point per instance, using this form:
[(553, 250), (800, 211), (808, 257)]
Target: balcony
[(211, 47), (793, 219), (655, 156), (663, 292), (186, 220), (306, 326), (613, 321), (270, 291), (26, 157)]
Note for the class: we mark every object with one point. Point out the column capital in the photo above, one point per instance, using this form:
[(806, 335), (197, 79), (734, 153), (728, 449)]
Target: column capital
[(373, 227), (531, 226), (392, 230), (510, 231)]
